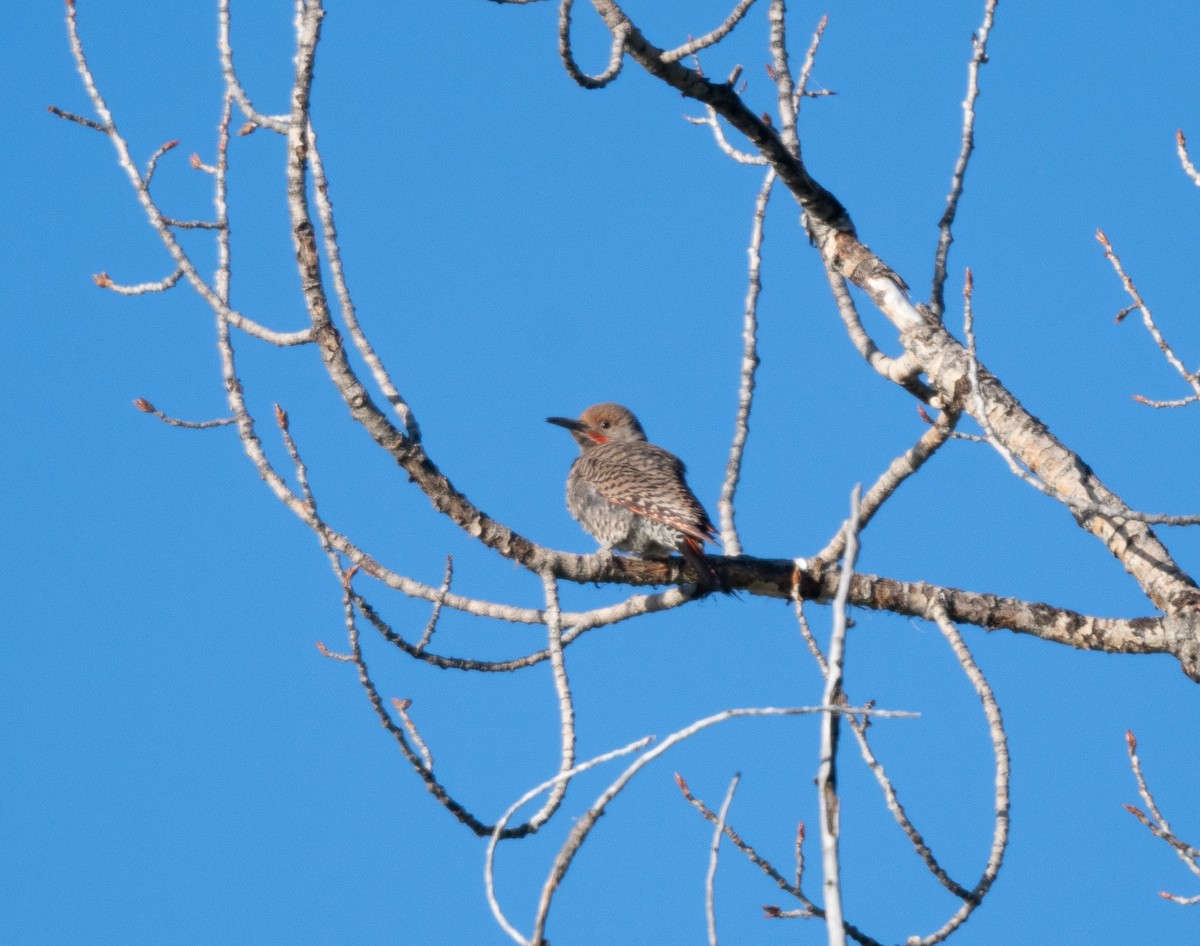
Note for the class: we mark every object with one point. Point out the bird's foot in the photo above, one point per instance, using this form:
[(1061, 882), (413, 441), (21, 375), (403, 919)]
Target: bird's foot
[(604, 557)]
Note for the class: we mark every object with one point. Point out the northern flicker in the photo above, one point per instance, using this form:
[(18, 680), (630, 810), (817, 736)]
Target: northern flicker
[(631, 495)]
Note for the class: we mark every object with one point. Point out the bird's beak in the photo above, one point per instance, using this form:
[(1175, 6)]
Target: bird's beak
[(570, 423)]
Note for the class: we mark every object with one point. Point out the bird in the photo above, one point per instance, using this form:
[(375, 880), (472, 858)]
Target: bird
[(631, 495)]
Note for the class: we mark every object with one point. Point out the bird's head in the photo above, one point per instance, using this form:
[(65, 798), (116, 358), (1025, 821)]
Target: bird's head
[(602, 423)]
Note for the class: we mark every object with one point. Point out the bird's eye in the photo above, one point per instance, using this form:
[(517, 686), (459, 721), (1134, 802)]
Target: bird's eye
[(605, 424)]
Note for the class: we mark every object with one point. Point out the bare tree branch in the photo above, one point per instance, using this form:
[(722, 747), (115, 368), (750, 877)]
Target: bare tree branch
[(741, 426), (616, 56), (897, 472), (156, 218), (1158, 825), (1191, 378), (932, 365), (937, 297), (586, 822), (991, 711), (829, 805), (713, 37), (710, 879)]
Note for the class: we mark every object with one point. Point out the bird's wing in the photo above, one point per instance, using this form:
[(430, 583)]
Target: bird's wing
[(650, 482)]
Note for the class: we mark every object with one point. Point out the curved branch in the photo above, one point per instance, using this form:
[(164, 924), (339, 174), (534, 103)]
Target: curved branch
[(586, 822), (566, 705), (616, 55), (232, 84), (1003, 770)]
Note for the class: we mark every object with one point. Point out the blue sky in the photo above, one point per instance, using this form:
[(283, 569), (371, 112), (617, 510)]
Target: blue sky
[(181, 765)]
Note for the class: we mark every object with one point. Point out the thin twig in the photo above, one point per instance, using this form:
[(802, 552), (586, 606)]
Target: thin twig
[(1192, 378), (1158, 825), (806, 633), (712, 121), (781, 71), (437, 607), (566, 706), (586, 822), (154, 215), (894, 805), (1188, 167), (1081, 508), (191, 224), (337, 273), (281, 420), (904, 370), (104, 281), (499, 834), (899, 470), (810, 60), (991, 711), (710, 878), (937, 297), (741, 427), (224, 275), (828, 803), (694, 46), (147, 408), (276, 123), (420, 758), (891, 797), (78, 119), (742, 845), (1177, 402), (152, 164), (401, 707)]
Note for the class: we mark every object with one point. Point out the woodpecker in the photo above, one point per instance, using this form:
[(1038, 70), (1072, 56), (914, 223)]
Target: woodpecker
[(631, 495)]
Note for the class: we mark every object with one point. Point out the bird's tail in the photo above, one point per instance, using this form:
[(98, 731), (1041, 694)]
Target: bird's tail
[(693, 552)]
